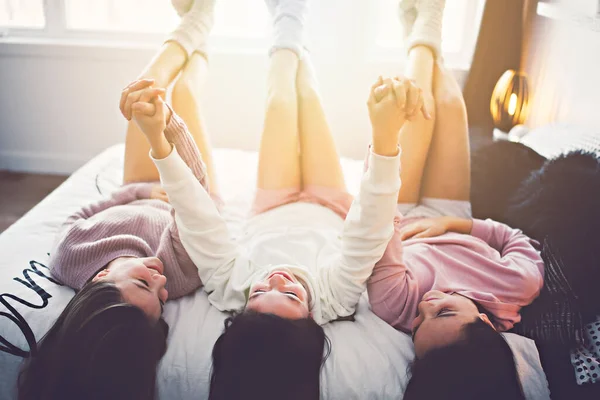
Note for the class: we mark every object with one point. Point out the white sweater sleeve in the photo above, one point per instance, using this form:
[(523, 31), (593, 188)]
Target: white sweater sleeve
[(368, 228), (202, 229)]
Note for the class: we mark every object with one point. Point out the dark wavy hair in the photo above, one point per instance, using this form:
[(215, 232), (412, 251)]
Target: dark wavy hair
[(268, 357), (497, 171), (479, 366), (100, 347), (559, 203)]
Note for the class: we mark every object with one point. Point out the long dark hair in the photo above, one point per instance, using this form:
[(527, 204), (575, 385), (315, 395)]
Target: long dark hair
[(479, 366), (268, 357), (100, 347)]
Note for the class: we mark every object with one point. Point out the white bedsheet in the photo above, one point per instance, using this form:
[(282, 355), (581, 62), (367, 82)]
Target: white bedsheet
[(369, 359)]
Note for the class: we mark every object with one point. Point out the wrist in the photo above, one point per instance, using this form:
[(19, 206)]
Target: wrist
[(160, 147), (385, 151), (385, 147), (460, 225)]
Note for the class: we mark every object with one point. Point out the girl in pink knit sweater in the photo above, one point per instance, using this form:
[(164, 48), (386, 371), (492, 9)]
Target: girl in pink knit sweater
[(123, 254)]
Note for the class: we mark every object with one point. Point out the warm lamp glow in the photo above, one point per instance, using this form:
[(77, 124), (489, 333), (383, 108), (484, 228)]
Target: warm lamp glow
[(510, 100), (512, 104)]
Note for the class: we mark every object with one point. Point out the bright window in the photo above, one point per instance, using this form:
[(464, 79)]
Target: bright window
[(146, 16), (460, 25), (239, 24), (22, 13), (241, 18)]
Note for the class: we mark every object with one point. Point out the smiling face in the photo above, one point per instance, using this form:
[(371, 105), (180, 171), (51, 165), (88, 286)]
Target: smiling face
[(441, 320), (140, 281), (280, 294)]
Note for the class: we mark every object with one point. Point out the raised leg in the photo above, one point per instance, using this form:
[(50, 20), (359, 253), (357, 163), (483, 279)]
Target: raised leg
[(448, 171), (320, 162), (278, 160), (163, 68), (187, 96), (415, 136)]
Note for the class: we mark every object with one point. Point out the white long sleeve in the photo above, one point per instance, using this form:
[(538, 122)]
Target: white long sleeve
[(202, 229), (368, 229)]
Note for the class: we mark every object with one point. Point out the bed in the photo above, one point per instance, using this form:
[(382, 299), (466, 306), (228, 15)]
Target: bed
[(369, 359)]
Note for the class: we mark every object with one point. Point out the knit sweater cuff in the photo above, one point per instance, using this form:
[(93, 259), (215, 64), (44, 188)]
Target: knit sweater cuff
[(178, 134), (142, 190), (176, 124)]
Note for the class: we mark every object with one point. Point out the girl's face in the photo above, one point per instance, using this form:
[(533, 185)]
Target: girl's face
[(140, 281), (441, 319), (280, 294)]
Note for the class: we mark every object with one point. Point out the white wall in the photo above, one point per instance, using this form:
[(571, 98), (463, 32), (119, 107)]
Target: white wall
[(563, 66), (59, 102)]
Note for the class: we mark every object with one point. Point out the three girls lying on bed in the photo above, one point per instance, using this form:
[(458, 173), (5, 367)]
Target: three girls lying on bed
[(429, 268)]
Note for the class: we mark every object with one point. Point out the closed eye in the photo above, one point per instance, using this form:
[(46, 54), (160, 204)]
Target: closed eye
[(144, 282), (443, 312), (256, 293)]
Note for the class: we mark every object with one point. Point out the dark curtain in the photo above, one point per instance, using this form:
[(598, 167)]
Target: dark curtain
[(499, 47)]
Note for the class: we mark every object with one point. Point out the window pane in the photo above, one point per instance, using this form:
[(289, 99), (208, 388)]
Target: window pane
[(240, 18), (121, 15), (22, 13), (454, 25)]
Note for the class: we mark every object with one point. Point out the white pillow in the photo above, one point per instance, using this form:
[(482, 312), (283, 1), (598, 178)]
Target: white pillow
[(555, 139)]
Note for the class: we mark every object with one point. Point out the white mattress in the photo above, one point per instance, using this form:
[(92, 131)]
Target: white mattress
[(369, 359)]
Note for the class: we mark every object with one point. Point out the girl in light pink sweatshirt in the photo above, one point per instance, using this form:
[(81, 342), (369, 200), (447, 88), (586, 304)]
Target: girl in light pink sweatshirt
[(450, 281), (440, 261)]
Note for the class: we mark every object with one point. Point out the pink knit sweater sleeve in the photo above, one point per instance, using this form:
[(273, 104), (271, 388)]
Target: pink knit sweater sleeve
[(87, 241), (124, 195), (179, 135), (100, 232)]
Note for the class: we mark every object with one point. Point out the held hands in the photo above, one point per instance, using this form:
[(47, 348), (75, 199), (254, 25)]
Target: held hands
[(432, 227), (392, 102), (145, 105)]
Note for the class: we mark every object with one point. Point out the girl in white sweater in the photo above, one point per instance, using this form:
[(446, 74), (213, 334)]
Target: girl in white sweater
[(308, 250)]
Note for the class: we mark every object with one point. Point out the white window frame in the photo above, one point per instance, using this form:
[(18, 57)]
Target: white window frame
[(56, 31), (361, 43)]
